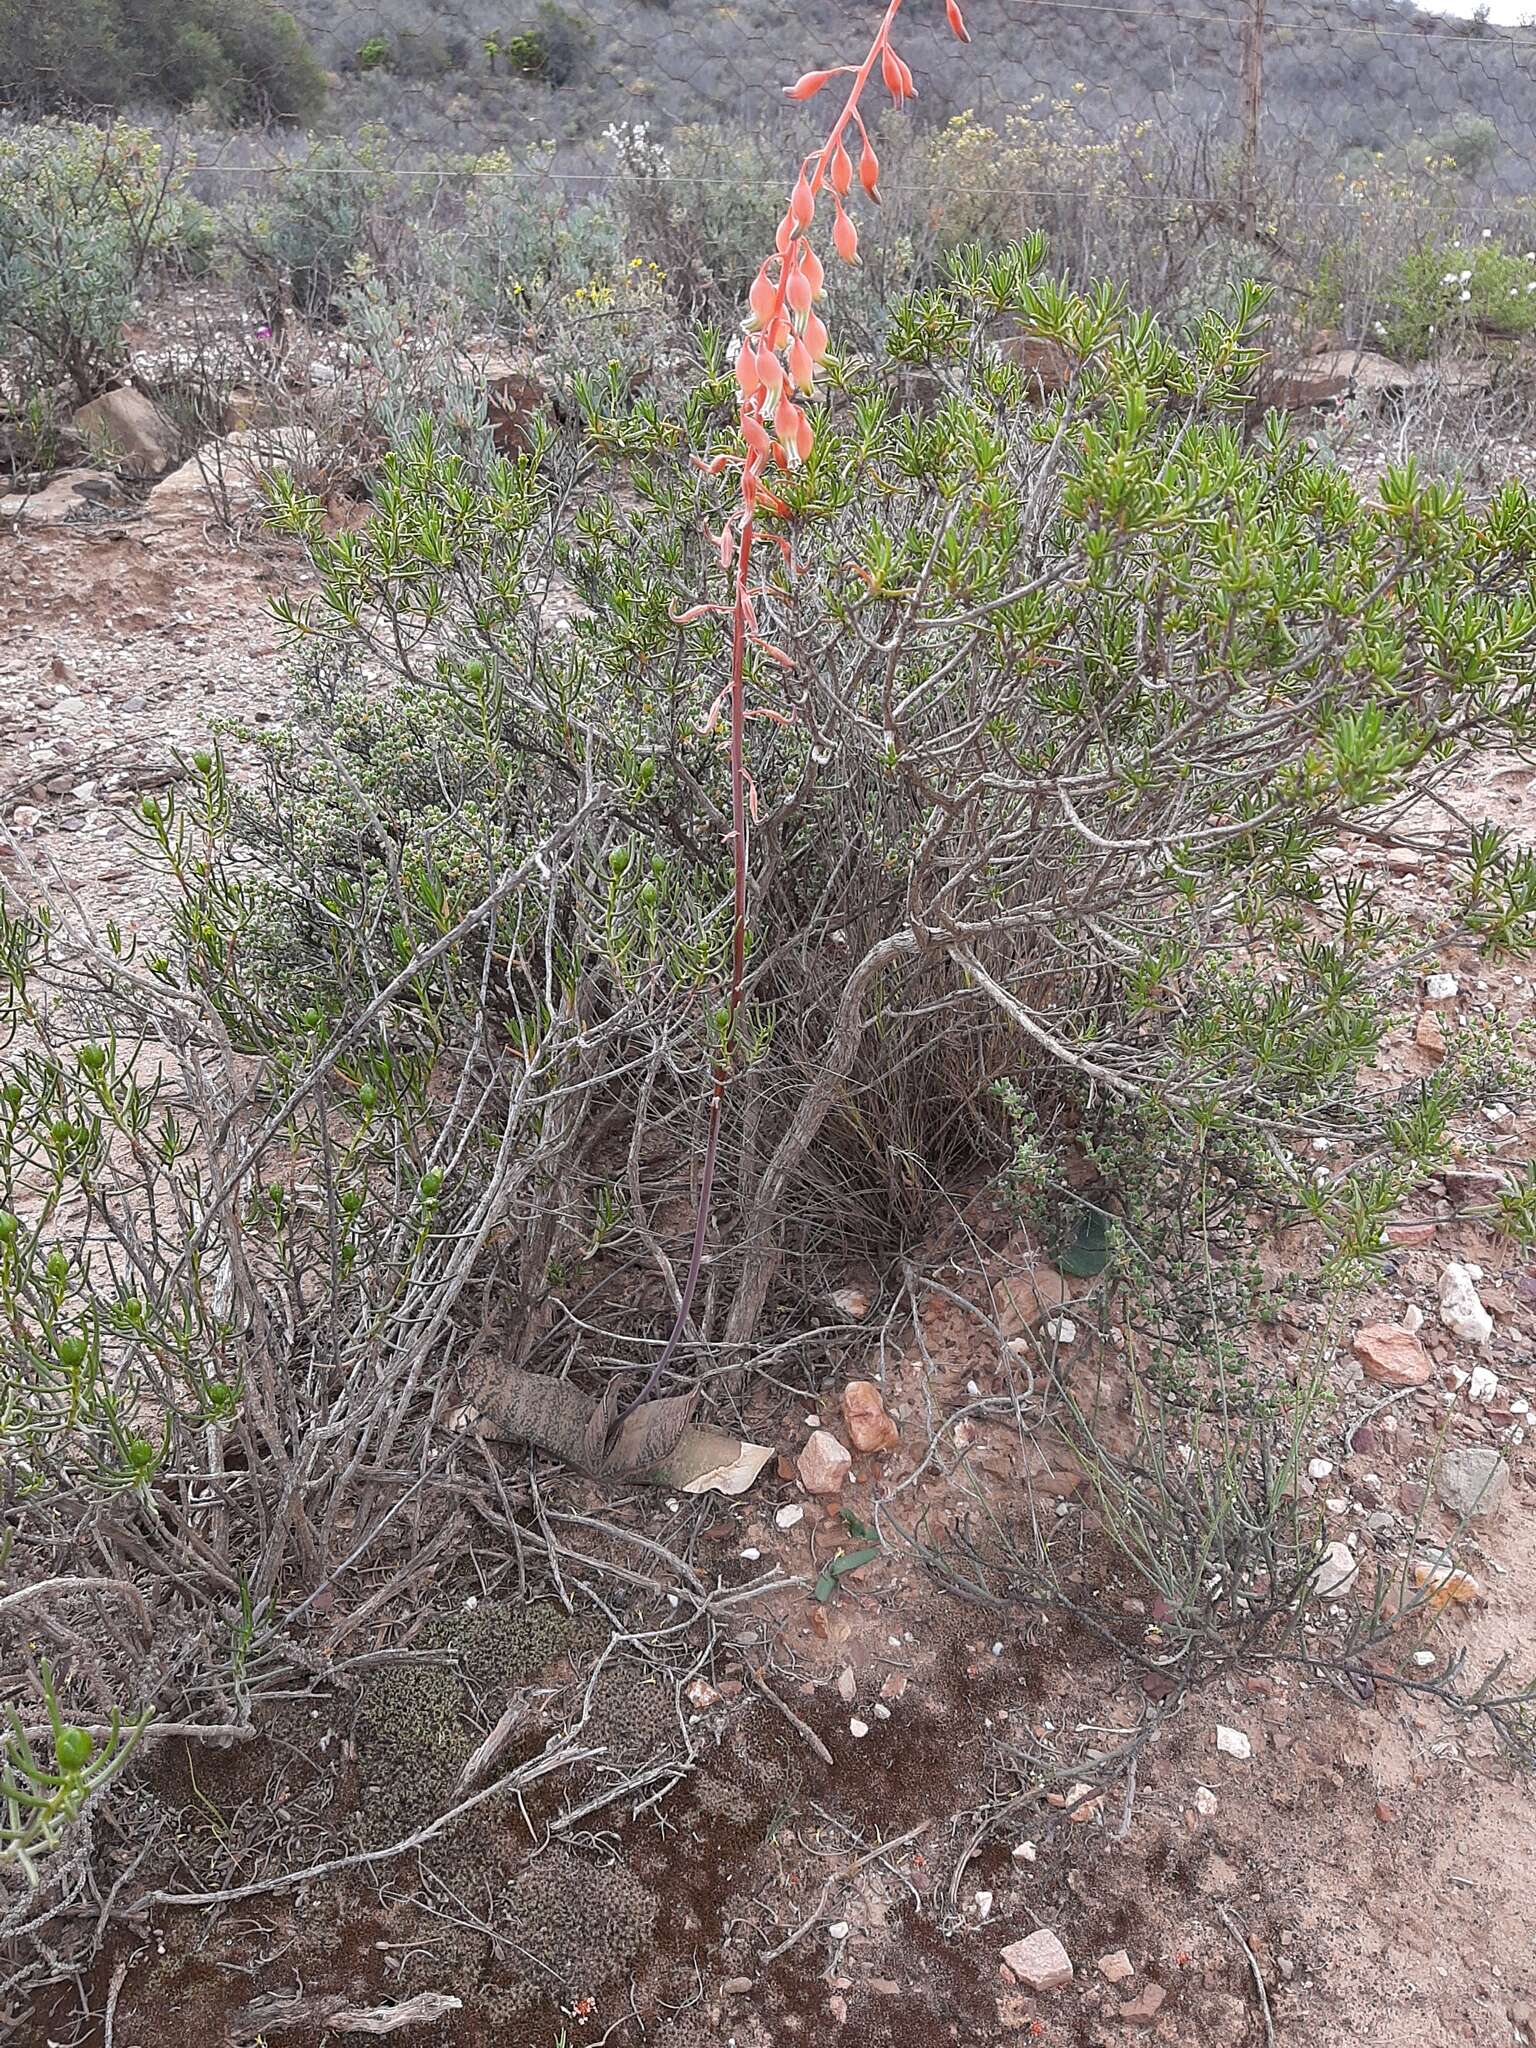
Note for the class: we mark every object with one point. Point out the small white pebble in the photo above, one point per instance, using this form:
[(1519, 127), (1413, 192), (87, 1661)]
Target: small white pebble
[(1024, 1852), (790, 1517), (1483, 1384), (997, 1649), (1319, 1468), (1423, 1658), (751, 1556), (858, 1729), (839, 1930), (1234, 1743), (1413, 1319), (983, 1905)]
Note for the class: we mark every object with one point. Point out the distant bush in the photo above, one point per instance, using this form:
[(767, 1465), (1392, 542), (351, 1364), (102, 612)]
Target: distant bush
[(1447, 294), (246, 58), (314, 219), (83, 212)]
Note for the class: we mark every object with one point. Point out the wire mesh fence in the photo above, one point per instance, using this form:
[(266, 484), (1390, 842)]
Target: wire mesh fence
[(1373, 162)]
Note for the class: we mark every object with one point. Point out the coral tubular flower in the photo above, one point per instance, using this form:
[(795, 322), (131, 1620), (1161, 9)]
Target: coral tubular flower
[(845, 237), (957, 21)]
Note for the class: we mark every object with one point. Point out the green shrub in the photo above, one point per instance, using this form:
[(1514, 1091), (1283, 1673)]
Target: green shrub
[(83, 212), (1448, 294), (1049, 728), (377, 54), (247, 57), (315, 223)]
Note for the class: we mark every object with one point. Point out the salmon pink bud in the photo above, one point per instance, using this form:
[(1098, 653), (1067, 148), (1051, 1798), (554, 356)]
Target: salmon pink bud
[(755, 434), (840, 172), (746, 368), (890, 71), (786, 422), (815, 336), (957, 21), (805, 438), (808, 85), (869, 171), (761, 297), (802, 366), (798, 292), (811, 270), (802, 204), (845, 237), (770, 371)]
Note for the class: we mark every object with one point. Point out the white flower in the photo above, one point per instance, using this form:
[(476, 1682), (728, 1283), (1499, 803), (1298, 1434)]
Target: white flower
[(1449, 277), (1465, 296), (1379, 329), (1466, 277), (1486, 233)]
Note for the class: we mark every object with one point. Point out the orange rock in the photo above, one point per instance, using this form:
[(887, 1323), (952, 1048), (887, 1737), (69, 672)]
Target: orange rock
[(1392, 1356), (1428, 1036), (870, 1428)]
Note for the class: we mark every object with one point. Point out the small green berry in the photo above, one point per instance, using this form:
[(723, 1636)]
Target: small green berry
[(72, 1351), (431, 1182), (368, 1095), (141, 1453), (74, 1748), (93, 1058)]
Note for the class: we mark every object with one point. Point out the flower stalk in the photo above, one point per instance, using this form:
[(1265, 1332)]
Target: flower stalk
[(784, 342)]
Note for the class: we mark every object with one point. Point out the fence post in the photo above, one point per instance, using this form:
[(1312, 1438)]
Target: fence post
[(1253, 107)]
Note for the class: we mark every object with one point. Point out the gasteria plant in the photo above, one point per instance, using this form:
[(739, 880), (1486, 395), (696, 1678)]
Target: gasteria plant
[(783, 344)]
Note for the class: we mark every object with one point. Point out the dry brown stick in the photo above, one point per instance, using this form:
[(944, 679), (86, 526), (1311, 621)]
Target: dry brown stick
[(1258, 1981), (842, 1877), (802, 1728)]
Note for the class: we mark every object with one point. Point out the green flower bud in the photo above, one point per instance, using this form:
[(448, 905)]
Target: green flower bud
[(648, 895), (310, 1018), (368, 1095), (57, 1266), (658, 865), (10, 1094), (8, 1227), (202, 761), (474, 671), (618, 860), (149, 808), (351, 1201), (72, 1351), (93, 1058), (73, 1748), (431, 1182)]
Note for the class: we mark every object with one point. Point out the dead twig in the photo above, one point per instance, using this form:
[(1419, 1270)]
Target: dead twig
[(1258, 1981)]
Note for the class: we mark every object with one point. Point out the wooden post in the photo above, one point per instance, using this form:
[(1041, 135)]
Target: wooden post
[(1253, 108)]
